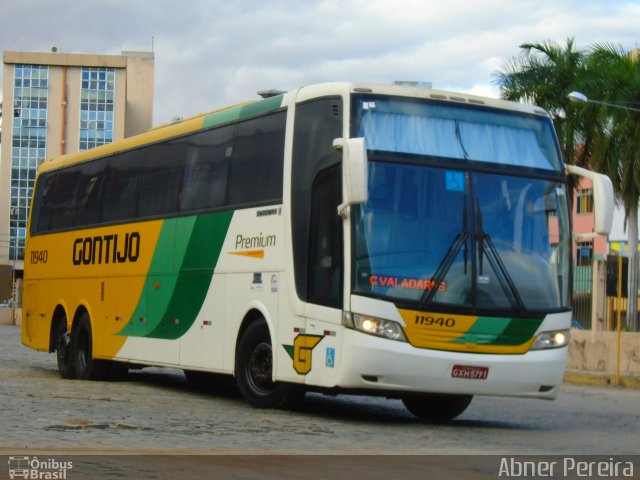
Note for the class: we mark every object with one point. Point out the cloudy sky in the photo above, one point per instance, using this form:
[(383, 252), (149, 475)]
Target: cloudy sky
[(211, 53)]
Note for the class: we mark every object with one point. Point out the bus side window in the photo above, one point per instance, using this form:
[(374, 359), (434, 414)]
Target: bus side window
[(325, 239), (89, 185), (317, 124), (120, 194), (205, 179), (161, 180), (61, 199), (204, 185), (255, 174), (42, 203)]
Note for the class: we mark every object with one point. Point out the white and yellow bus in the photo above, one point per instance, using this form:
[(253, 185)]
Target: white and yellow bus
[(381, 239)]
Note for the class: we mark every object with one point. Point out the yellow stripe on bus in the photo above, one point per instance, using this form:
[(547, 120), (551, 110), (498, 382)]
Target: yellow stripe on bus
[(249, 253), (104, 269), (459, 333)]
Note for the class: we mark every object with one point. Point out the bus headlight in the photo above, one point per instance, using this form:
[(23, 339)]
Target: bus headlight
[(555, 339), (374, 326)]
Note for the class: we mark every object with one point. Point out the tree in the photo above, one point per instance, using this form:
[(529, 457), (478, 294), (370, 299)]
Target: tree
[(544, 75), (605, 138)]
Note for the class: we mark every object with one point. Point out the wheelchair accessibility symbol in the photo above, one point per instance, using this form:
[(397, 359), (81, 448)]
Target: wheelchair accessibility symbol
[(331, 357)]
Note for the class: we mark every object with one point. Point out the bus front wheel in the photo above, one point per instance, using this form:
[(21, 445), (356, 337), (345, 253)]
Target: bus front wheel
[(437, 407), (86, 367), (254, 371)]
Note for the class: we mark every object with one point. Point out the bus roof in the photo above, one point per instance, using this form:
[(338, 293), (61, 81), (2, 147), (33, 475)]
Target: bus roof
[(252, 107), (344, 88)]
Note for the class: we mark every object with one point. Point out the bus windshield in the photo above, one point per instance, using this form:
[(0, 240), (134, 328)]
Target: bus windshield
[(462, 237), (463, 133)]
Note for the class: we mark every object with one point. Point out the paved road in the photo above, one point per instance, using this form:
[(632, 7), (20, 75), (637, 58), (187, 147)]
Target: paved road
[(157, 411)]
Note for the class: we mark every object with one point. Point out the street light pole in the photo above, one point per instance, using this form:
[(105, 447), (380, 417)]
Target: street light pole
[(579, 97)]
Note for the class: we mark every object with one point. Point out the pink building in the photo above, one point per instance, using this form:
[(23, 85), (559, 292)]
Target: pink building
[(585, 248)]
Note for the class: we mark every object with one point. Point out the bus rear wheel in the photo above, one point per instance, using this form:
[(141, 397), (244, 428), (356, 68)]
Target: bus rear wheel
[(86, 367), (437, 407), (64, 353), (254, 371)]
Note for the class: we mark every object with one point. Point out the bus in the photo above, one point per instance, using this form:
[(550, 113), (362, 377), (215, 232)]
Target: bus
[(385, 240)]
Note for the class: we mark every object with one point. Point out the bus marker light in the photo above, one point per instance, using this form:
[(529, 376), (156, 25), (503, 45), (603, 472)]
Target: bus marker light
[(378, 326), (554, 339)]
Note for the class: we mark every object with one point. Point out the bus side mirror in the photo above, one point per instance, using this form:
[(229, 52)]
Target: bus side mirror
[(603, 200), (354, 171)]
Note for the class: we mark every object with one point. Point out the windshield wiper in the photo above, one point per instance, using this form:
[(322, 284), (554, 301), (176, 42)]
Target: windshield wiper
[(459, 242), (486, 247)]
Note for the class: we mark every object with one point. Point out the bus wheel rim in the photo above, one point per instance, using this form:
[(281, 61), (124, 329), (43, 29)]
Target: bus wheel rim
[(259, 368)]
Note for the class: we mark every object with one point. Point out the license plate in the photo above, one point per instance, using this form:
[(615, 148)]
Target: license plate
[(470, 372)]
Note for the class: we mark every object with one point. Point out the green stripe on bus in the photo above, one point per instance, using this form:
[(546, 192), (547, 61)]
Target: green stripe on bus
[(500, 331), (519, 331), (484, 331), (172, 301), (196, 271), (232, 114), (263, 106), (160, 282)]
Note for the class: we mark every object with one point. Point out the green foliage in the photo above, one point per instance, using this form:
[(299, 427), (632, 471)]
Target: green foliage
[(543, 75)]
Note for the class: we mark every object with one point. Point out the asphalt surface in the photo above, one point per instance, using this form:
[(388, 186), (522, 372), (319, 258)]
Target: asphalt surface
[(135, 428)]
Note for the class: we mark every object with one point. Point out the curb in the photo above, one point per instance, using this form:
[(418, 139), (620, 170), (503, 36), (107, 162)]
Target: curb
[(601, 378)]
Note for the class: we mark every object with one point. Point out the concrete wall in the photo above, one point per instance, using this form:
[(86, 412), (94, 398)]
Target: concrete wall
[(597, 352), (139, 93), (5, 316)]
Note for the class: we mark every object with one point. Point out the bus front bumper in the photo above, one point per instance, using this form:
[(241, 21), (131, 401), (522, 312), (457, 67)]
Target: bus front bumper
[(389, 366)]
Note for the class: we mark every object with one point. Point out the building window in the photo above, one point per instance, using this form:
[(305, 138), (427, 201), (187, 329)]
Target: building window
[(96, 107), (584, 201), (584, 253), (30, 97)]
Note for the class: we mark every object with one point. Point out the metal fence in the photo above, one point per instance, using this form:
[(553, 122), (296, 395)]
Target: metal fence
[(585, 299), (582, 300)]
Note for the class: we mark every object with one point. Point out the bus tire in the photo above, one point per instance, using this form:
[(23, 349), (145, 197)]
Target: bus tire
[(64, 351), (254, 367), (437, 407), (86, 367)]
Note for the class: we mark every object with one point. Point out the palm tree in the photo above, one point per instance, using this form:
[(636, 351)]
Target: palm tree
[(544, 75), (613, 75)]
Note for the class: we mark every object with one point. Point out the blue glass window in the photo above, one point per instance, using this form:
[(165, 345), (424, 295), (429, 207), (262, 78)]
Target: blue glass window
[(96, 107), (28, 139)]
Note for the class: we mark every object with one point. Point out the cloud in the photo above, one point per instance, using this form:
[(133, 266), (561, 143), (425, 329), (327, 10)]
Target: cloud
[(211, 53)]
